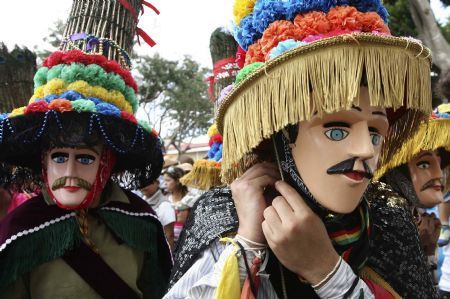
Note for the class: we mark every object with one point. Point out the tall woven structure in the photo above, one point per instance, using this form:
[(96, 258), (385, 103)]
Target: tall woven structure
[(223, 48), (17, 68), (105, 27)]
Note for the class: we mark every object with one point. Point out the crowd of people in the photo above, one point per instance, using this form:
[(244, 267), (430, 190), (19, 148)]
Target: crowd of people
[(327, 174)]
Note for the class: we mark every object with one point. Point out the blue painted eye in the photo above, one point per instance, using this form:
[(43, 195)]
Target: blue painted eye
[(376, 139), (85, 159), (336, 134), (60, 157)]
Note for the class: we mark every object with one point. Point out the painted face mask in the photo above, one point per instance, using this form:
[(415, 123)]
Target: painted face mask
[(75, 177), (426, 176), (336, 155)]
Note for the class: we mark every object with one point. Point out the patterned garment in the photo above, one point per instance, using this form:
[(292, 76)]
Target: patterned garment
[(212, 216), (395, 252), (394, 246)]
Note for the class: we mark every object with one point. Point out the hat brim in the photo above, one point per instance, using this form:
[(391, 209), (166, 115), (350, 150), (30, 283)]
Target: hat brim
[(24, 137), (324, 77)]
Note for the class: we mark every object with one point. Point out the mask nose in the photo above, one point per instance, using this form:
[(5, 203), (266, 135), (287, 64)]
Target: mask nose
[(362, 147)]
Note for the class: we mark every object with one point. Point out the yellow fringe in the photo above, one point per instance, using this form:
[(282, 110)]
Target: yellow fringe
[(431, 135), (370, 274), (279, 93), (204, 175)]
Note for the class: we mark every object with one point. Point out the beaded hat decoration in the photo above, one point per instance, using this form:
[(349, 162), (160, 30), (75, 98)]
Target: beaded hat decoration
[(82, 96), (306, 57), (205, 173), (433, 134), (223, 47)]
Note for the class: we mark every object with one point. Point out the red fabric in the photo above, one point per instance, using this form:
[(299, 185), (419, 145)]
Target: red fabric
[(130, 8), (72, 56), (210, 82), (246, 289), (240, 57), (18, 199), (151, 6), (145, 37), (378, 291), (107, 163)]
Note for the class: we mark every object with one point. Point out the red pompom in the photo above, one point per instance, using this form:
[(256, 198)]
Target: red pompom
[(36, 107), (216, 138), (128, 116)]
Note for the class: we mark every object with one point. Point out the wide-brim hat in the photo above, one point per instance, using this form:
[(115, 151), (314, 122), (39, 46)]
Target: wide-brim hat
[(433, 134), (297, 68), (205, 173), (81, 98)]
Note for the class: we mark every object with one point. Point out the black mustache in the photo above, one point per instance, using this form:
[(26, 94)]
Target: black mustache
[(347, 166), (431, 183)]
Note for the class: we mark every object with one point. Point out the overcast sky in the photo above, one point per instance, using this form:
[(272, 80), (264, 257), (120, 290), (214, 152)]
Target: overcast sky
[(183, 27)]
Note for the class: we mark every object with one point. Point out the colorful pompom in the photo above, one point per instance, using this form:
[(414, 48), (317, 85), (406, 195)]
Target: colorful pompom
[(284, 46), (37, 107), (213, 130), (107, 109), (241, 9), (60, 105), (128, 116), (83, 105), (247, 70)]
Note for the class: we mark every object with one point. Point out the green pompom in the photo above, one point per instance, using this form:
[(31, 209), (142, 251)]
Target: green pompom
[(73, 72), (95, 75), (40, 78), (130, 95), (114, 82), (54, 72), (145, 125), (83, 106), (247, 70)]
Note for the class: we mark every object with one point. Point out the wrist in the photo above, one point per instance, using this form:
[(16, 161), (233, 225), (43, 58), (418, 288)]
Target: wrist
[(252, 235), (323, 271)]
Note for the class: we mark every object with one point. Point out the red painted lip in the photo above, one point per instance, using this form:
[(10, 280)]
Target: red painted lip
[(355, 175), (438, 188), (72, 188)]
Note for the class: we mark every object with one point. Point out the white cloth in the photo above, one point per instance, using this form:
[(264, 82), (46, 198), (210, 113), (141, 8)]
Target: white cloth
[(162, 208), (444, 281), (202, 279), (187, 201)]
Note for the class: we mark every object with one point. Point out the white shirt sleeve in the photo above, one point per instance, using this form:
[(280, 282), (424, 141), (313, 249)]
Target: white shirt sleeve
[(166, 213), (202, 279), (338, 285)]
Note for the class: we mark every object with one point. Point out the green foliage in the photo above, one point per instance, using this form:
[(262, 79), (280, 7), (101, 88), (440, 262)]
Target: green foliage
[(400, 20), (178, 94)]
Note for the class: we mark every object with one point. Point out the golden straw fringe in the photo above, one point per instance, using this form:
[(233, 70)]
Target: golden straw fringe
[(368, 273), (264, 104), (431, 135), (204, 175)]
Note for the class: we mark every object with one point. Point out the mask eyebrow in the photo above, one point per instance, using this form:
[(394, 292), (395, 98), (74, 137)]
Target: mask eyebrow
[(88, 148), (424, 154), (379, 113), (336, 124), (356, 108)]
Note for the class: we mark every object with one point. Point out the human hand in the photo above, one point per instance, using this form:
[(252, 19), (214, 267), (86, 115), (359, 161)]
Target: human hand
[(298, 237), (429, 228), (248, 196)]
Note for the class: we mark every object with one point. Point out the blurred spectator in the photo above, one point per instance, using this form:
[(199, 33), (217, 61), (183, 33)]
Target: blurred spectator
[(164, 210)]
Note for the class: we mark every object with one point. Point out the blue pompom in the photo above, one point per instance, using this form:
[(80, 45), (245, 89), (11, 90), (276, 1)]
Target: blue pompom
[(218, 155), (107, 109), (285, 46), (95, 100), (266, 12), (213, 150), (51, 97), (245, 34), (3, 116), (295, 7), (71, 95)]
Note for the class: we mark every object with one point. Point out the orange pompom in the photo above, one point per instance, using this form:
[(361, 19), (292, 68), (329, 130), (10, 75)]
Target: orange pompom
[(312, 23), (371, 21), (344, 17), (254, 54), (277, 32), (60, 105)]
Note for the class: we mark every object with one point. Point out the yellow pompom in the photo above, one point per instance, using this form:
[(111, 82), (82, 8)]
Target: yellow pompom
[(38, 93), (54, 86), (241, 9), (17, 112), (80, 86), (213, 130), (117, 98), (444, 108)]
